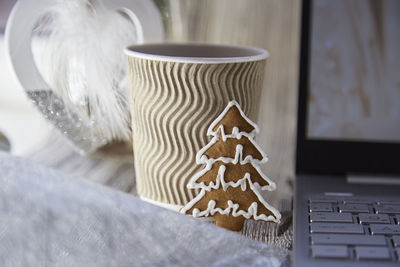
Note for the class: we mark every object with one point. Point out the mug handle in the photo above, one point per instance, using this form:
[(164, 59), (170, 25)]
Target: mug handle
[(25, 13)]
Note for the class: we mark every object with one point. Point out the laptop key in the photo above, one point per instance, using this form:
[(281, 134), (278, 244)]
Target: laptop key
[(353, 207), (331, 217), (323, 200), (374, 218), (372, 253), (396, 241), (384, 229), (398, 219), (389, 202), (357, 201), (342, 239), (322, 251), (386, 209), (321, 207), (340, 228)]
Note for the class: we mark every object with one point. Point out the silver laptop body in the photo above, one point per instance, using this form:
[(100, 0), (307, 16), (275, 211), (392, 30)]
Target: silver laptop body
[(347, 193)]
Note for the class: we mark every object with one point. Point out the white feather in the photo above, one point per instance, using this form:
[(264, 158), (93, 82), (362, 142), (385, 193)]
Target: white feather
[(82, 60)]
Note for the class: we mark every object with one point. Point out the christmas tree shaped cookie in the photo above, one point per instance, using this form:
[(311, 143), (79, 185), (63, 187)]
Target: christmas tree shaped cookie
[(231, 181)]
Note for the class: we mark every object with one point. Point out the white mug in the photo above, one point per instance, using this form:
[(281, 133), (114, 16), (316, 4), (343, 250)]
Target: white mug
[(24, 17)]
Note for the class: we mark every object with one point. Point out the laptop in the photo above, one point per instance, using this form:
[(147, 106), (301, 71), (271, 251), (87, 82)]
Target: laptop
[(347, 190)]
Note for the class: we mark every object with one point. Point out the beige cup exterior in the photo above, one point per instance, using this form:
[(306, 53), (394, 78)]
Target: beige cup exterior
[(172, 106)]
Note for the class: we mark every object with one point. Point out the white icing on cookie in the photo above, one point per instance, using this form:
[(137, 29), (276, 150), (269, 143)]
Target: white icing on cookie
[(233, 208), (222, 115), (220, 180), (202, 159)]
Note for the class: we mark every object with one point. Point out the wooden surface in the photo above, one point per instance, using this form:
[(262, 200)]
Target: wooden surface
[(269, 24)]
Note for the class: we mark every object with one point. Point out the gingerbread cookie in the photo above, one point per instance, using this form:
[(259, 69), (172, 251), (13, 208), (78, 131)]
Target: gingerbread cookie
[(230, 182)]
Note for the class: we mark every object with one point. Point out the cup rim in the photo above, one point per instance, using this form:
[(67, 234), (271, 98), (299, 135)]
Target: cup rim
[(254, 53)]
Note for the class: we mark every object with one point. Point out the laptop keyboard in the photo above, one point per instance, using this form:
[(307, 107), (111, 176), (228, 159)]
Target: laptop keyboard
[(354, 228)]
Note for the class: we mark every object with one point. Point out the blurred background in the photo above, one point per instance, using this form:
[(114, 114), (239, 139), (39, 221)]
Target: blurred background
[(354, 81), (269, 24)]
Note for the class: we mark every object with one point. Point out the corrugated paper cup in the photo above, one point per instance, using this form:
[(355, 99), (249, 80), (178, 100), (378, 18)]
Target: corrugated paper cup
[(177, 90)]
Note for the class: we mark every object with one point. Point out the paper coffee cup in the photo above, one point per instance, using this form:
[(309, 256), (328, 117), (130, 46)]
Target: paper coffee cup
[(177, 90)]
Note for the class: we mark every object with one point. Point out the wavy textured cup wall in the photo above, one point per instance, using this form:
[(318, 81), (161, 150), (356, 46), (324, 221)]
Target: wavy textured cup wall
[(172, 105)]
